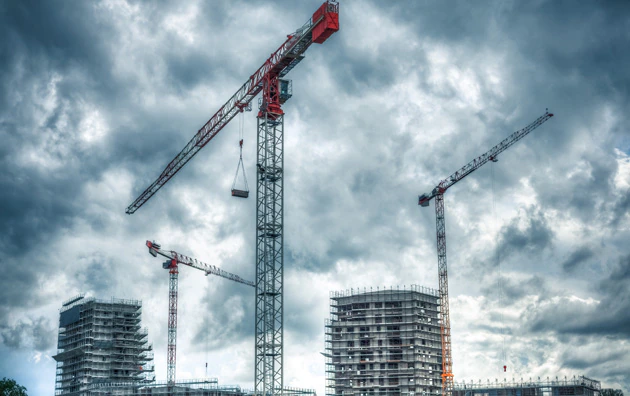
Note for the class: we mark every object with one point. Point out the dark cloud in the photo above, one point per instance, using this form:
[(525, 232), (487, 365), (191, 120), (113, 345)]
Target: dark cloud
[(611, 316), (573, 360), (576, 258), (38, 334), (228, 316), (528, 234), (507, 291), (401, 97)]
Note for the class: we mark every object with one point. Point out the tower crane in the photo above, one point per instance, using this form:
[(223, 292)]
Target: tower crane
[(268, 79), (438, 194), (172, 264)]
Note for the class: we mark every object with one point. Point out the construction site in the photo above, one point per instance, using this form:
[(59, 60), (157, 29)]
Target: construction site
[(378, 342)]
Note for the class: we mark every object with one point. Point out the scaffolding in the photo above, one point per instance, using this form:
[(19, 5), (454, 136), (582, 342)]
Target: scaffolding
[(101, 341), (195, 387), (384, 342), (575, 386)]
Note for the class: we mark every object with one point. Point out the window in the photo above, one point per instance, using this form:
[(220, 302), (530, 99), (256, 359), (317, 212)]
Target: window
[(350, 329), (380, 342), (350, 343), (378, 305)]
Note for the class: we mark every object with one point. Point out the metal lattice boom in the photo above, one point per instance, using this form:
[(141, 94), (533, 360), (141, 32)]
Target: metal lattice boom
[(440, 224), (285, 58)]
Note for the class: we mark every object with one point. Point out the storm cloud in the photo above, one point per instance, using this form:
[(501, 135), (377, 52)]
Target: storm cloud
[(97, 97)]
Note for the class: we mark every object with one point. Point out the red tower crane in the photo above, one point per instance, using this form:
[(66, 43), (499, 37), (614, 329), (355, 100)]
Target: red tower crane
[(438, 194), (268, 79), (172, 264)]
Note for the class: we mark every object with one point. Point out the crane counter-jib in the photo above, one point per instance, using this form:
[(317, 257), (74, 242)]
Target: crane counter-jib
[(323, 23)]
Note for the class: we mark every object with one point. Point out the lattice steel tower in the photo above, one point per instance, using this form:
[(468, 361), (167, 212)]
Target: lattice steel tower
[(269, 243), (270, 183)]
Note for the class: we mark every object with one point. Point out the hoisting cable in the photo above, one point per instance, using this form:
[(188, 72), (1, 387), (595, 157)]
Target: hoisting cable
[(238, 192), (206, 337), (503, 355)]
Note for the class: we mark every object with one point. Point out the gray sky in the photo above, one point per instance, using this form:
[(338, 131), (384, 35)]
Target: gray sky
[(97, 97)]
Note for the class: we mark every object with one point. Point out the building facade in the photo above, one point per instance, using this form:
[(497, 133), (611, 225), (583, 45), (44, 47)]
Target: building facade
[(384, 342), (581, 386), (101, 341)]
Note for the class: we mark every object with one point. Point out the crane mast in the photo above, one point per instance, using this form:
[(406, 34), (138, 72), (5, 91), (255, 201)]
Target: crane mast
[(268, 79), (440, 225), (172, 264)]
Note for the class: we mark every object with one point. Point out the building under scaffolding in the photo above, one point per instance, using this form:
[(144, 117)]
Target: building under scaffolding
[(101, 341), (581, 386), (384, 342)]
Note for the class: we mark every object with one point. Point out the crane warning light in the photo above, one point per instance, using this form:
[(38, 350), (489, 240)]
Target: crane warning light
[(504, 369), (329, 24)]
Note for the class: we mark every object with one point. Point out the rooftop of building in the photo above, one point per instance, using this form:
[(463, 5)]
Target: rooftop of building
[(530, 383), (378, 291)]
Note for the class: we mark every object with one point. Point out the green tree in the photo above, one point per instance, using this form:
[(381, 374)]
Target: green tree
[(9, 387), (612, 392)]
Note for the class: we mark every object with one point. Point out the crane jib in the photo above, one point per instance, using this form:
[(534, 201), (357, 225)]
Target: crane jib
[(476, 163), (324, 22)]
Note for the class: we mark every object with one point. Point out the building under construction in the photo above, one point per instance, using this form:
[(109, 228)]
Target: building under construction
[(101, 341), (384, 342), (581, 386)]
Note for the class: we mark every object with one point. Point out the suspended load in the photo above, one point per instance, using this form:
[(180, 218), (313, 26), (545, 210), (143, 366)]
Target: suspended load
[(237, 192)]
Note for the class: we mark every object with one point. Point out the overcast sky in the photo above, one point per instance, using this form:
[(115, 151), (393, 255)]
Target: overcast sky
[(97, 97)]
